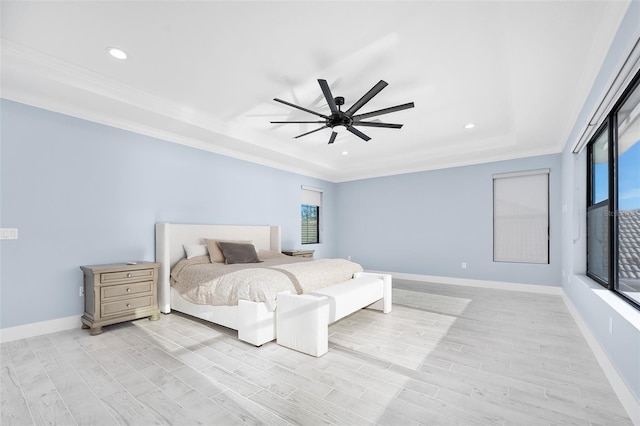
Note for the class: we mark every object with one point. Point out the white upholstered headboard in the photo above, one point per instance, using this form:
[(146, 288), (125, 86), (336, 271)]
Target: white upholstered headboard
[(170, 238)]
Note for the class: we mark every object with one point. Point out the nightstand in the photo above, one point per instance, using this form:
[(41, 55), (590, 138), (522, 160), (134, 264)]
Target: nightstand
[(298, 253), (119, 292)]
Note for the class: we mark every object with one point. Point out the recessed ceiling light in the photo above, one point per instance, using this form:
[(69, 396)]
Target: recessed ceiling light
[(345, 152), (117, 53), (469, 126)]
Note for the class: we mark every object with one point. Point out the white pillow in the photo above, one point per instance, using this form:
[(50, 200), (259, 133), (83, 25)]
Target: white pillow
[(194, 250)]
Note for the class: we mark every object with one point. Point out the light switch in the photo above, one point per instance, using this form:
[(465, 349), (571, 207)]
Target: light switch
[(8, 233)]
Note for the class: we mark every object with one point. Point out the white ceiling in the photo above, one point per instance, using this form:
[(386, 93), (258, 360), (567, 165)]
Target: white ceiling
[(204, 74)]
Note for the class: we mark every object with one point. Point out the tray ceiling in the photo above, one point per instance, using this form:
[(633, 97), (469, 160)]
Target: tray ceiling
[(204, 74)]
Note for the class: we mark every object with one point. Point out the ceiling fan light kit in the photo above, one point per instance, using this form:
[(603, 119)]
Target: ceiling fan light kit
[(340, 120)]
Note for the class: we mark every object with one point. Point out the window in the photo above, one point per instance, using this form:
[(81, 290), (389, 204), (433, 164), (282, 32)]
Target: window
[(613, 198), (521, 217), (310, 215), (598, 206), (310, 230), (628, 195)]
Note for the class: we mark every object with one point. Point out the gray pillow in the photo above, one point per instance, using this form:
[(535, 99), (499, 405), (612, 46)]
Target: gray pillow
[(238, 253)]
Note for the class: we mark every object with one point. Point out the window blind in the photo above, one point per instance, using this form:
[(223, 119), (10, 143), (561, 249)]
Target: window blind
[(311, 196), (521, 217)]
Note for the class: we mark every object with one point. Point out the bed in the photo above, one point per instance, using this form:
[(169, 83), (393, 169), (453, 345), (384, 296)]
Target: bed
[(299, 321)]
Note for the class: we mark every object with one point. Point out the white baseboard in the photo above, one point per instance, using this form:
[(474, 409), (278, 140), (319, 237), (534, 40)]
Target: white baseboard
[(39, 328), (498, 285), (626, 397)]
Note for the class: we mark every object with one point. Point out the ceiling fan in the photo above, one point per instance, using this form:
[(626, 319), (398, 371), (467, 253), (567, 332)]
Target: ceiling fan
[(346, 119)]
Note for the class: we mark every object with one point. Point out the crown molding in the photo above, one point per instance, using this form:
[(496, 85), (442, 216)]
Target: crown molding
[(39, 80)]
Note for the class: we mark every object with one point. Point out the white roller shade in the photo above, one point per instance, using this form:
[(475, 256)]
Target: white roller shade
[(311, 196), (521, 217)]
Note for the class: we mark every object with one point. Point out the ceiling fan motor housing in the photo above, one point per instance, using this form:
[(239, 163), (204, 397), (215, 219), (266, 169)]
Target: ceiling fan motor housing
[(339, 119)]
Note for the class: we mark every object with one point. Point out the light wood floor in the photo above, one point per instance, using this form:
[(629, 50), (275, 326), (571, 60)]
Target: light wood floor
[(446, 355)]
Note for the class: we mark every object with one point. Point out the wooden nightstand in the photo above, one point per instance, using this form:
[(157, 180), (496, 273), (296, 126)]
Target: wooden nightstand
[(299, 253), (119, 292)]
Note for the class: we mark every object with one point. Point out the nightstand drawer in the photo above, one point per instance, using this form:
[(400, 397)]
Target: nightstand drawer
[(116, 308), (111, 291), (124, 276)]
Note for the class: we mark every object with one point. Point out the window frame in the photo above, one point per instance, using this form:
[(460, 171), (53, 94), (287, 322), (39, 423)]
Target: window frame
[(610, 125), (605, 127), (302, 224)]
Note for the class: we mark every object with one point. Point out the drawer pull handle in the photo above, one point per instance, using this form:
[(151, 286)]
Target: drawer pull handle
[(128, 305), (128, 275), (128, 290)]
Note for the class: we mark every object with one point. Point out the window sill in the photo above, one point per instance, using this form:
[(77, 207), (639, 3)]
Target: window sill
[(629, 313)]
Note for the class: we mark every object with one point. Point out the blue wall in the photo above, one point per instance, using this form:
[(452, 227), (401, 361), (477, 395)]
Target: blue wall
[(83, 193), (428, 223)]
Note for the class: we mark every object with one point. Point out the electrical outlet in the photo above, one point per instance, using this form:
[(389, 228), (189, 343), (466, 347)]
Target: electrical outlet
[(464, 265), (610, 326), (81, 291)]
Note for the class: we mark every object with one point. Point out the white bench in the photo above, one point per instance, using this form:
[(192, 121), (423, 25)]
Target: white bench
[(302, 321)]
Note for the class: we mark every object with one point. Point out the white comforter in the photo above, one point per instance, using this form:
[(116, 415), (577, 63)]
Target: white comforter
[(204, 283)]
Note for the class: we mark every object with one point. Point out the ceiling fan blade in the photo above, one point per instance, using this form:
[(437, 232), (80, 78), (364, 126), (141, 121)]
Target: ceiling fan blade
[(313, 131), (367, 97), (358, 133), (383, 111), (300, 108), (333, 137), (299, 122), (377, 124), (327, 95)]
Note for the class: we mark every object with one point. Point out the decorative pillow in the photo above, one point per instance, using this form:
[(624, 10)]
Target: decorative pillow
[(194, 250), (238, 253), (214, 250)]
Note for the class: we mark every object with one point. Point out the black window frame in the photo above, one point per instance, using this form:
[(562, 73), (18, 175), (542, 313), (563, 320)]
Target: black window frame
[(610, 125), (594, 206), (305, 226)]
